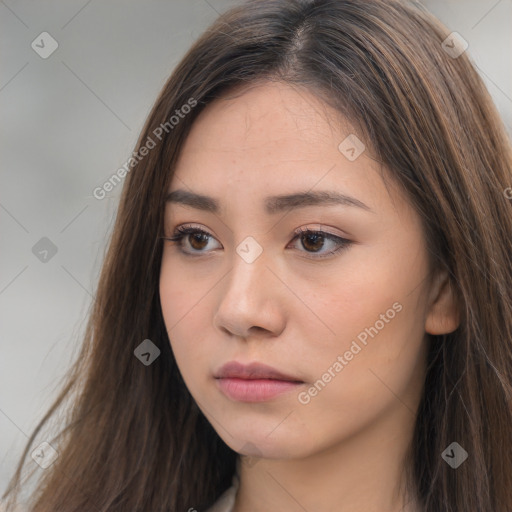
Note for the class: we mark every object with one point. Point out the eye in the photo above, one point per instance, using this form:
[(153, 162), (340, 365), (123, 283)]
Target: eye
[(198, 241), (312, 240)]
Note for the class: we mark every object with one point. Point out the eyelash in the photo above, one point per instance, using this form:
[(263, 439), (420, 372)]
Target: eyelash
[(183, 231)]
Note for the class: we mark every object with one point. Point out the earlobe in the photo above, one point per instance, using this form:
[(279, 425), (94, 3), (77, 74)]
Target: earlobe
[(443, 315)]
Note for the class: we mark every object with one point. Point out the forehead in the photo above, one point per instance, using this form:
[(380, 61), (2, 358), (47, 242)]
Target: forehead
[(272, 139), (269, 120), (268, 133)]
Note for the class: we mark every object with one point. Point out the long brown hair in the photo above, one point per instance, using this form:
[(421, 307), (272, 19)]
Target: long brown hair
[(134, 438)]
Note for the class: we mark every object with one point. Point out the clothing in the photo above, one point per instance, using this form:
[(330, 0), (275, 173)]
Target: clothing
[(226, 500)]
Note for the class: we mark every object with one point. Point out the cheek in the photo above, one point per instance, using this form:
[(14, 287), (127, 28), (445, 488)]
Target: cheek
[(183, 294), (376, 325), (382, 376), (184, 313), (347, 303)]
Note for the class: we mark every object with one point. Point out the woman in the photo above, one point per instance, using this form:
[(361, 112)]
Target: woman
[(227, 365)]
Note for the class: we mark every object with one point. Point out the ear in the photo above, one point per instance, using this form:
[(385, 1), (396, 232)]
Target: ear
[(443, 314)]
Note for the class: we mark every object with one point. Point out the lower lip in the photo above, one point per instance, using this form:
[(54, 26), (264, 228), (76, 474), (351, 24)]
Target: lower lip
[(255, 390)]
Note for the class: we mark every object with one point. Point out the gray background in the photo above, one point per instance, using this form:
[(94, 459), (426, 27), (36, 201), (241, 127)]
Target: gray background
[(68, 123)]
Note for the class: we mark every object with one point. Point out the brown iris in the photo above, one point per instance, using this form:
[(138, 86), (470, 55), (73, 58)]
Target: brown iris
[(316, 237)]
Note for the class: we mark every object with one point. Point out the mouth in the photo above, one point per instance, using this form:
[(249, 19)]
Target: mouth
[(255, 382)]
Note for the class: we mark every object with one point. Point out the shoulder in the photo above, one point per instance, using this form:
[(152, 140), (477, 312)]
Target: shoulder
[(225, 502)]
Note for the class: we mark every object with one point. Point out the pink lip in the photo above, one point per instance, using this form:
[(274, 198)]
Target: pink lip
[(255, 382)]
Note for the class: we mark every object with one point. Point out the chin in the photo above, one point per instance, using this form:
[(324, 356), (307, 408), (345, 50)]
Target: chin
[(258, 443)]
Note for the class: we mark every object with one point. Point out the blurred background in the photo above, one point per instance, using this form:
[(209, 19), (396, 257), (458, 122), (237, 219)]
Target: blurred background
[(78, 79)]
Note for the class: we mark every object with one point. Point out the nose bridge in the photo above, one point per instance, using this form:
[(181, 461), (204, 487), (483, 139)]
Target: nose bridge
[(249, 268), (246, 294)]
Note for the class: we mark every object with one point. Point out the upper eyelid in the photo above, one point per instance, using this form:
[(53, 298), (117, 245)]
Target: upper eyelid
[(340, 240), (315, 228)]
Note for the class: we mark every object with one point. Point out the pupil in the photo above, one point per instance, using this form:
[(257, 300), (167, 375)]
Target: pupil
[(316, 237), (195, 239)]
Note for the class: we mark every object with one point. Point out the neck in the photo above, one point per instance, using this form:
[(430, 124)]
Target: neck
[(362, 472)]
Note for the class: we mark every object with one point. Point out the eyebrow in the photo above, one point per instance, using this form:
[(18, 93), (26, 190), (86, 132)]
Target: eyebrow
[(273, 204)]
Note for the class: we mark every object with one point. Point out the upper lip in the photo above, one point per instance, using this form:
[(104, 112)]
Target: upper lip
[(234, 369)]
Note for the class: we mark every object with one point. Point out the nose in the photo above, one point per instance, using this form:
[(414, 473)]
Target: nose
[(250, 299)]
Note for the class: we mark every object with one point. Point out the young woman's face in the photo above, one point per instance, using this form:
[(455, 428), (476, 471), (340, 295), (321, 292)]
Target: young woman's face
[(346, 319)]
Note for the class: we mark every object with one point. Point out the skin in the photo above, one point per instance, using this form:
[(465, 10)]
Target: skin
[(343, 450)]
